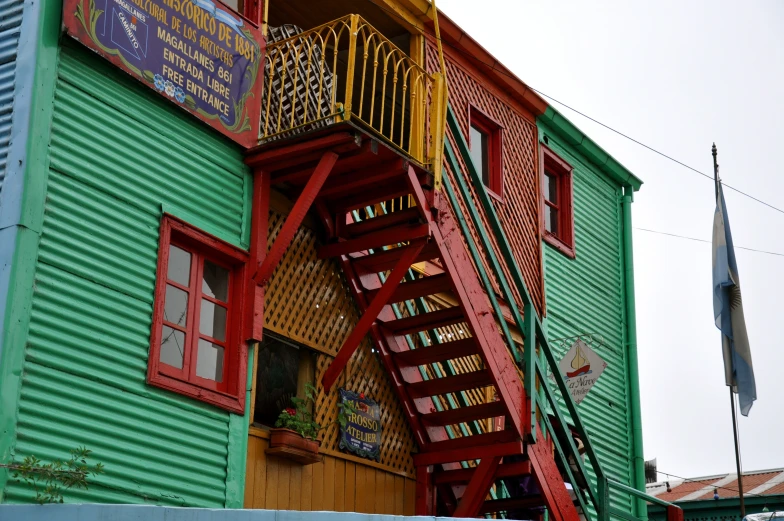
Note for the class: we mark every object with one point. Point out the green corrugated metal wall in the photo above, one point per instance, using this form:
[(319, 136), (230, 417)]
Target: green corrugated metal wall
[(586, 295), (118, 156)]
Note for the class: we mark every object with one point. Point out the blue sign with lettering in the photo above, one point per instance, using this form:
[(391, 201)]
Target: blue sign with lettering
[(362, 432), (198, 54)]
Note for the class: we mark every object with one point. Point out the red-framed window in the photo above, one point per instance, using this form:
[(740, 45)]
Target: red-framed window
[(196, 345), (486, 145), (557, 201)]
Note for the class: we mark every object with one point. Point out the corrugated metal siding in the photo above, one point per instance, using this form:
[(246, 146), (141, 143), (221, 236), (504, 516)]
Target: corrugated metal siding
[(118, 153), (10, 26), (585, 295)]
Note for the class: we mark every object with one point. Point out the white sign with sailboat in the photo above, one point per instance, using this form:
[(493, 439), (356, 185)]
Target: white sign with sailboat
[(581, 367)]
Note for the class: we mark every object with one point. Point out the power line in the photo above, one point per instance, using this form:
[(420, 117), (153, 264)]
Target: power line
[(608, 127), (687, 480), (709, 242)]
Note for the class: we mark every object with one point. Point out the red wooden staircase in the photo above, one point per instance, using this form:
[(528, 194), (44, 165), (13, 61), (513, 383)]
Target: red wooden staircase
[(342, 175)]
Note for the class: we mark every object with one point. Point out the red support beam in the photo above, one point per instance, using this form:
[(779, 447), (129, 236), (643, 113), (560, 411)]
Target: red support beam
[(371, 314), (425, 492), (478, 487), (258, 245), (294, 219)]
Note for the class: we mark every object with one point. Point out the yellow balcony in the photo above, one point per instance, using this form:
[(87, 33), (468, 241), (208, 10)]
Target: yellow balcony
[(347, 71)]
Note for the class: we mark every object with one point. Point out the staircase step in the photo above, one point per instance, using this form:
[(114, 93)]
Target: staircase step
[(450, 384), (421, 287), (465, 414), (508, 470), (505, 505), (437, 352), (382, 222), (470, 448), (386, 260), (424, 321), (379, 239)]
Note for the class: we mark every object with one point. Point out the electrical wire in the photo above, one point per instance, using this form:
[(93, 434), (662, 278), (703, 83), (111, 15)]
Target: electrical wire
[(709, 242), (608, 127), (687, 480)]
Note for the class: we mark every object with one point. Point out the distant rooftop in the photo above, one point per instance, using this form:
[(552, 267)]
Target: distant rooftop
[(759, 483)]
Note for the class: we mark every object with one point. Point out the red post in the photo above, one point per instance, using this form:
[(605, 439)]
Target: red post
[(674, 513), (425, 492), (294, 219), (258, 245)]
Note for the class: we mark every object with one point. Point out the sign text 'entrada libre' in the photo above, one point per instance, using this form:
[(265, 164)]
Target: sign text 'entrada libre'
[(197, 53), (362, 433)]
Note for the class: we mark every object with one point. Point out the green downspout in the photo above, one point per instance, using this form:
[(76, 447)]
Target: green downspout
[(631, 340)]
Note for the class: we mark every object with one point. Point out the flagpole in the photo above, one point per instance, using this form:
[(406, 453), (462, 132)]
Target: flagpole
[(732, 395)]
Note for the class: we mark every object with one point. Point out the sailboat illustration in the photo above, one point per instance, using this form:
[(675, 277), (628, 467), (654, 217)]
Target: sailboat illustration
[(580, 364)]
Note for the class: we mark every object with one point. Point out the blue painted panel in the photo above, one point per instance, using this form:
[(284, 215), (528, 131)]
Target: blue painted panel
[(10, 28), (156, 513)]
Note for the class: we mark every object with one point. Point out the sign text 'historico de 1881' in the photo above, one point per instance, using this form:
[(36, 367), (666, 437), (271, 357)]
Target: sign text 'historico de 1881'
[(197, 53)]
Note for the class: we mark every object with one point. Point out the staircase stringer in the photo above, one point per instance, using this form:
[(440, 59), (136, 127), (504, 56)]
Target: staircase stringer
[(532, 328)]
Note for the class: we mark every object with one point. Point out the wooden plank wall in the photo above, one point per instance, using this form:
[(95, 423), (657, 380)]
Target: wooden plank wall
[(338, 483)]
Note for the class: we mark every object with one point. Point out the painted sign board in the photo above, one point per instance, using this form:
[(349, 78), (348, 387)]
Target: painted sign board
[(580, 368), (362, 432), (198, 54)]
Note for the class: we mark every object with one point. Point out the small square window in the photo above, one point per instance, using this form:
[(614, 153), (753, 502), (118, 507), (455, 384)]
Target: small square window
[(283, 369), (196, 346), (486, 152), (557, 205)]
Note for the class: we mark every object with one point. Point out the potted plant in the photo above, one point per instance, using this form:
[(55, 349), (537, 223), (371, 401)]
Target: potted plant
[(295, 433)]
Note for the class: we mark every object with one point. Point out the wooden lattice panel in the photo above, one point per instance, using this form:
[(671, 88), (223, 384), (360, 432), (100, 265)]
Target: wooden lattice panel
[(308, 301), (519, 211)]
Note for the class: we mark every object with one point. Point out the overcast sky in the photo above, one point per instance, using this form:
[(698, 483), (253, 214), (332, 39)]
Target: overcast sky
[(677, 76)]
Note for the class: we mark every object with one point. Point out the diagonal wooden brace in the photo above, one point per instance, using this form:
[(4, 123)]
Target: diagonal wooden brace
[(371, 313), (478, 488), (294, 220)]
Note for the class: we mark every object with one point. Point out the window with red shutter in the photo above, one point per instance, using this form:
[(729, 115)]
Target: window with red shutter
[(485, 144), (196, 345), (557, 204)]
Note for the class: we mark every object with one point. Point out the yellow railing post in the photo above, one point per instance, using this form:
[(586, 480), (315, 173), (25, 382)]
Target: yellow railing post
[(437, 126), (352, 59)]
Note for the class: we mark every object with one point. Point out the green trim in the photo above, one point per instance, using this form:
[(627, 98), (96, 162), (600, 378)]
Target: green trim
[(638, 461), (237, 449), (23, 264), (565, 129)]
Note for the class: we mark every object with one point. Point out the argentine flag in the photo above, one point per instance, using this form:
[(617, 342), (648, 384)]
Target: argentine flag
[(728, 311)]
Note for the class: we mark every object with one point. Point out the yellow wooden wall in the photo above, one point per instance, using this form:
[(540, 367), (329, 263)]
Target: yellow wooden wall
[(337, 483), (308, 301)]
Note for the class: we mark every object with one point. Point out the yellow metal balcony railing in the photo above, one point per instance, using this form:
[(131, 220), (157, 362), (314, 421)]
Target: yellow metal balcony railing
[(346, 70)]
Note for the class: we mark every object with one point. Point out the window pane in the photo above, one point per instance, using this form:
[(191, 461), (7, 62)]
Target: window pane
[(176, 307), (234, 4), (216, 282), (212, 321), (209, 361), (276, 378), (479, 154), (551, 219), (172, 347), (179, 265), (551, 188)]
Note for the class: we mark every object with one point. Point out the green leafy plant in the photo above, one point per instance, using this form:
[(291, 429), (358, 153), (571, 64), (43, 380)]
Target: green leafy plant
[(300, 419), (50, 480)]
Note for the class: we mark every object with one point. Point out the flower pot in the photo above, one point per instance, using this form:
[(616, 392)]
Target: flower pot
[(291, 445)]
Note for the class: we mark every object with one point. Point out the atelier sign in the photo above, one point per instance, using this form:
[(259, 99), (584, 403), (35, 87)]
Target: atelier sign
[(198, 54), (580, 368), (362, 432)]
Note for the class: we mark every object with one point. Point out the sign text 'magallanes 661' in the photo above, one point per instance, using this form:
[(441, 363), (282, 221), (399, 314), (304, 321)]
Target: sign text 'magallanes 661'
[(197, 53)]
